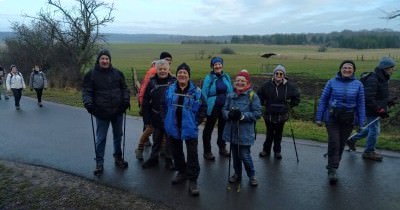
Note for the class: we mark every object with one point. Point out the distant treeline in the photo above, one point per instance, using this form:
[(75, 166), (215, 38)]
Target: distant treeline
[(345, 39)]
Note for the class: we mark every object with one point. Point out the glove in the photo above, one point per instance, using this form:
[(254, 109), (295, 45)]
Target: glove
[(125, 106), (235, 114), (382, 113), (319, 123), (89, 108)]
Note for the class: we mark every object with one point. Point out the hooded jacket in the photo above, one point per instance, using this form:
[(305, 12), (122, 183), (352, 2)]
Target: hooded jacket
[(376, 92)]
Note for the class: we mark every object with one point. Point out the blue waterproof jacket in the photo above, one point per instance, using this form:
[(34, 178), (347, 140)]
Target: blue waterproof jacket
[(347, 93), (209, 89), (193, 112), (250, 106)]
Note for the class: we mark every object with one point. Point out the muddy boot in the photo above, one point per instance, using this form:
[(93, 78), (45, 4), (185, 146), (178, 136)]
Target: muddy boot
[(193, 188), (264, 153), (179, 178), (278, 155), (332, 176), (139, 152), (208, 156), (99, 170), (224, 152), (372, 156), (120, 162), (150, 163), (169, 164), (253, 181)]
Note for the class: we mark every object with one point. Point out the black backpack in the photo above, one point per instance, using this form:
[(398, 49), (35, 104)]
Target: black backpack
[(364, 76)]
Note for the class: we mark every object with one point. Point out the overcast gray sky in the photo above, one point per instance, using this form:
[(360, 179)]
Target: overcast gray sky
[(228, 17)]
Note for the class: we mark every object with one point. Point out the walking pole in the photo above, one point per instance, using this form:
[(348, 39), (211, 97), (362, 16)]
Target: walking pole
[(238, 151), (94, 138), (291, 130), (230, 155), (363, 128), (123, 144)]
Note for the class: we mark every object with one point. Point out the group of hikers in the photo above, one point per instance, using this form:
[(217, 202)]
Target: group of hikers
[(14, 82), (173, 107)]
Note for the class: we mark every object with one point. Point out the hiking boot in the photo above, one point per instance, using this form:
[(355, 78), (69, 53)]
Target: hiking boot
[(99, 170), (40, 104), (278, 155), (351, 144), (208, 156), (150, 163), (224, 152), (264, 153), (332, 176), (193, 189), (17, 108), (120, 162), (372, 156), (169, 164), (253, 181), (139, 154), (179, 178), (234, 178)]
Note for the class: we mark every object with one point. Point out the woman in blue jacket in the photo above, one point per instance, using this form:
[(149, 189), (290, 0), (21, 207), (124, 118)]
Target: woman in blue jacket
[(341, 106), (242, 109), (216, 86), (186, 109)]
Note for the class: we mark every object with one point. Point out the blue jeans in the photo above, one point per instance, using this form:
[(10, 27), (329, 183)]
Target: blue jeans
[(241, 154), (101, 135), (372, 134)]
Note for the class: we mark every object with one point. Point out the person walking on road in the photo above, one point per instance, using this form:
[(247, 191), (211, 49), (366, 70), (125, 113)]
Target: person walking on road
[(186, 109), (38, 81), (3, 89), (216, 85), (147, 131), (106, 96), (242, 109), (376, 103), (341, 106), (15, 83), (278, 95), (153, 110)]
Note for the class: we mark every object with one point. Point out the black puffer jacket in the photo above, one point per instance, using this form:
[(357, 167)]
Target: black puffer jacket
[(278, 99), (154, 100), (376, 89), (107, 91)]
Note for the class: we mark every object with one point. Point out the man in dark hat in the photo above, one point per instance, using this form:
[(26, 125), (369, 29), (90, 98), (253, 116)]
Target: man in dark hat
[(106, 96), (186, 108), (376, 104)]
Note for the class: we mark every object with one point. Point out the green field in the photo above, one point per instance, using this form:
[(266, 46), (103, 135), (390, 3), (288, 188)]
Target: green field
[(304, 61)]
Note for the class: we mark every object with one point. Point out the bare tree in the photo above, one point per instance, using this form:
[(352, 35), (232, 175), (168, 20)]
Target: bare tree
[(62, 37), (393, 15)]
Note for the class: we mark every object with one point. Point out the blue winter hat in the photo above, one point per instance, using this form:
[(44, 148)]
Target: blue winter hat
[(215, 60), (386, 62)]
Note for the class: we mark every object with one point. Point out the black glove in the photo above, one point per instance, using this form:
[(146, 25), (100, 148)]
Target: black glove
[(89, 108), (382, 113), (235, 114), (125, 106)]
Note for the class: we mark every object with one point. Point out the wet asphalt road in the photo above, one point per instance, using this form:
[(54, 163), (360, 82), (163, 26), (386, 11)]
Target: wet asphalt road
[(60, 137)]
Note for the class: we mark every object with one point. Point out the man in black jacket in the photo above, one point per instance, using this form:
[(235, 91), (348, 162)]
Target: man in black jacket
[(106, 96), (376, 104), (153, 111)]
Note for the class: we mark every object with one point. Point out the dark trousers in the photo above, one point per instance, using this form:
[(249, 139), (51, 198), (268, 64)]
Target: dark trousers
[(158, 136), (274, 135), (39, 92), (242, 154), (17, 95), (190, 167), (216, 114), (337, 135)]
